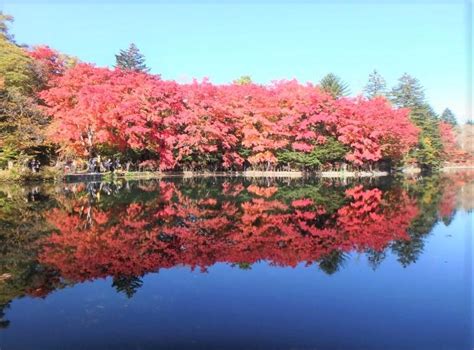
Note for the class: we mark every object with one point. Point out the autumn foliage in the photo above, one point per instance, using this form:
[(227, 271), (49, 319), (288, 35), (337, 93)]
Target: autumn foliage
[(176, 229), (206, 126), (452, 152)]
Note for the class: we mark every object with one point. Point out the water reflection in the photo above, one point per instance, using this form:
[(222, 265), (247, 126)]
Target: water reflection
[(57, 236)]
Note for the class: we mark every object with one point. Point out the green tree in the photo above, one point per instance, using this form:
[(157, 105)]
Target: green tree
[(329, 152), (428, 151), (334, 86), (448, 117), (243, 80), (409, 93), (376, 85), (16, 68), (22, 124), (131, 59), (22, 129)]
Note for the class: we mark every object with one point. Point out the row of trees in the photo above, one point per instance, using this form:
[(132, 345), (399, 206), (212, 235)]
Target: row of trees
[(52, 106)]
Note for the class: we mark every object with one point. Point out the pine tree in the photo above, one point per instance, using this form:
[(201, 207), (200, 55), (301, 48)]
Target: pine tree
[(448, 117), (410, 94), (131, 59), (334, 86), (376, 85)]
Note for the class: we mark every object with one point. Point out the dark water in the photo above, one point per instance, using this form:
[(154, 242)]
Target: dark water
[(238, 264)]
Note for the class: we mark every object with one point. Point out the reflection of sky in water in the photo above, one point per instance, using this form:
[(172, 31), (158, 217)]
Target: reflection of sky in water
[(423, 306)]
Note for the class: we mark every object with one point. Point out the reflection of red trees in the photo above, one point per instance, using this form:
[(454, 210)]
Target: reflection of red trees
[(174, 229), (370, 224), (451, 188)]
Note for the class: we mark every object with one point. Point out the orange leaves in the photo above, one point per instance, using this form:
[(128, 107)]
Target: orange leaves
[(266, 192), (263, 157)]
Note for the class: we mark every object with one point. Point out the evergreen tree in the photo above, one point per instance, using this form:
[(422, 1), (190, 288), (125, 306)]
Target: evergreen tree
[(428, 152), (375, 86), (410, 94), (334, 86), (448, 117), (131, 59)]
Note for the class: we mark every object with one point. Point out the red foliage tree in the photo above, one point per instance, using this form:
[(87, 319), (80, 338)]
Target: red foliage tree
[(49, 64), (451, 151), (93, 106), (374, 130), (202, 126)]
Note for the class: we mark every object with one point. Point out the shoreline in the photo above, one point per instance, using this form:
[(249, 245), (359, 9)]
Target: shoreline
[(244, 174), (144, 175), (259, 174)]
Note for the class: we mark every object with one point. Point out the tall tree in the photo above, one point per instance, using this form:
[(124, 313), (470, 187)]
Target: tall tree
[(334, 86), (448, 117), (23, 73), (131, 59), (376, 85), (408, 92)]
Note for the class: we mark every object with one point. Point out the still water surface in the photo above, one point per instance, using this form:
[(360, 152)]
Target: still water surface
[(238, 264)]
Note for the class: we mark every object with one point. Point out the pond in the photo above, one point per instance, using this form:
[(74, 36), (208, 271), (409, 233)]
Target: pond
[(234, 263)]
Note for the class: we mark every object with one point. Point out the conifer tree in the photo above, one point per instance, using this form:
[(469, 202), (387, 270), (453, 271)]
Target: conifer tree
[(448, 117), (410, 94), (334, 86), (375, 86), (131, 59)]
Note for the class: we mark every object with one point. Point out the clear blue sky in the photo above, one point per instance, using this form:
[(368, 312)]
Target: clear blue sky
[(266, 40)]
